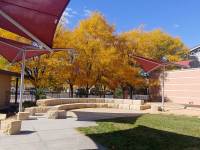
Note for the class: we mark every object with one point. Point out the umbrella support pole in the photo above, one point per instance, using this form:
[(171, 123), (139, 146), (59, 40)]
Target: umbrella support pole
[(22, 82), (163, 88)]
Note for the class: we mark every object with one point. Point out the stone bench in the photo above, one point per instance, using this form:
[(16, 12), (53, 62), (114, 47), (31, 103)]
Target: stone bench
[(77, 106), (102, 105), (2, 117), (34, 110), (155, 108), (62, 114), (139, 107), (79, 103), (11, 127), (56, 114), (55, 102), (31, 111), (23, 116)]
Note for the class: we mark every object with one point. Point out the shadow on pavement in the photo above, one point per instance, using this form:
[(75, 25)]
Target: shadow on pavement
[(26, 132), (93, 116)]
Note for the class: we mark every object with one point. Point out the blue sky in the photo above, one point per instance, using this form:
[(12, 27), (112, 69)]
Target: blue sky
[(180, 18)]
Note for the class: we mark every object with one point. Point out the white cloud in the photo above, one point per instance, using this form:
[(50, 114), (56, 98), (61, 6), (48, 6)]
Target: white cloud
[(68, 13), (176, 26), (87, 12)]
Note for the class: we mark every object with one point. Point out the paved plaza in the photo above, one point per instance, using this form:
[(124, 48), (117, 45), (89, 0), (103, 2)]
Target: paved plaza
[(44, 134)]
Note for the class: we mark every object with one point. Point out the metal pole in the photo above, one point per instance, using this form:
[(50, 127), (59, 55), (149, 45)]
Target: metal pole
[(22, 81), (16, 89), (163, 88)]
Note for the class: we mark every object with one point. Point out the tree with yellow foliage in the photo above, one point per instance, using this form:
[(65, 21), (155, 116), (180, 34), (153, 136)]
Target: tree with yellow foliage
[(92, 39), (100, 56)]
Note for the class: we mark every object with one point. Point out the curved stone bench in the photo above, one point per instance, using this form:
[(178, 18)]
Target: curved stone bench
[(54, 102), (40, 109), (101, 105), (79, 103)]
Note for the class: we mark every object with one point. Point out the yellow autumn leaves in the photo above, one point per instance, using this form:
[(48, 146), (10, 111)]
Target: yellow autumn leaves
[(100, 56)]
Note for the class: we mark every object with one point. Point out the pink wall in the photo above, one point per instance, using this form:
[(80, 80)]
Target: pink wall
[(183, 86)]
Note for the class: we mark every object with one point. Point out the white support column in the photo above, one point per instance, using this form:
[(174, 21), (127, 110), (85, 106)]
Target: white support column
[(163, 87), (22, 81)]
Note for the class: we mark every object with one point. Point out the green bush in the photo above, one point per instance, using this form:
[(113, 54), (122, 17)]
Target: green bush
[(118, 93), (27, 104), (40, 94)]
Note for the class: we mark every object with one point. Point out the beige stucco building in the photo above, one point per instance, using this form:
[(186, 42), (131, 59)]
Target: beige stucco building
[(5, 86), (183, 86)]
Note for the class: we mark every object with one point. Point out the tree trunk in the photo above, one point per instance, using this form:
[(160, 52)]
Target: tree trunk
[(71, 90), (131, 92), (104, 91), (125, 93), (87, 91)]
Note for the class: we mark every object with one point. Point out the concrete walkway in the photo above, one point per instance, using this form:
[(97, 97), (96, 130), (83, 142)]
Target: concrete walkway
[(44, 134)]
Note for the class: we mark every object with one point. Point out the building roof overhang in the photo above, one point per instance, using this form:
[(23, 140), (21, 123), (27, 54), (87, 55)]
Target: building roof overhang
[(9, 73)]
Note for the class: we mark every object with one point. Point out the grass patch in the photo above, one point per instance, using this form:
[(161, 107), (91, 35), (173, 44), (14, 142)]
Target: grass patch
[(147, 132)]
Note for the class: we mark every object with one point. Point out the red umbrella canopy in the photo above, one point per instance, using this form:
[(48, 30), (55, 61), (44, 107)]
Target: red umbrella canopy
[(39, 17), (12, 50), (185, 63), (146, 64)]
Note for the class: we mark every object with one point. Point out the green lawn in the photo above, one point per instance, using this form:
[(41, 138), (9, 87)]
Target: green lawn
[(147, 132)]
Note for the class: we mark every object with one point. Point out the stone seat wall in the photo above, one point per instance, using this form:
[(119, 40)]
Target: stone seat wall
[(54, 102), (78, 103)]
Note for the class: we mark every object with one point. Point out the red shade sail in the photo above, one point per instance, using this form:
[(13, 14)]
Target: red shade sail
[(39, 17), (12, 50), (146, 64), (185, 63)]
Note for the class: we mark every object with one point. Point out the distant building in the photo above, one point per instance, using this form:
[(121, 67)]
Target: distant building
[(5, 86), (194, 55), (183, 86)]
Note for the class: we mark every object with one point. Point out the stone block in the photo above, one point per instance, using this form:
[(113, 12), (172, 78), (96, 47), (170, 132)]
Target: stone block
[(128, 101), (65, 107), (155, 108), (109, 100), (42, 109), (124, 106), (102, 105), (110, 105), (100, 100), (90, 105), (23, 116), (66, 101), (52, 114), (139, 107), (118, 101), (138, 102), (31, 111), (74, 100), (62, 114), (2, 116), (11, 127)]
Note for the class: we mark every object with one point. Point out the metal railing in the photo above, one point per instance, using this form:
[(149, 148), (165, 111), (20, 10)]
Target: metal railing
[(29, 96)]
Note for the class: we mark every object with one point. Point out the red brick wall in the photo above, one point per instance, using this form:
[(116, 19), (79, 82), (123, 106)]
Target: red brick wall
[(183, 86)]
